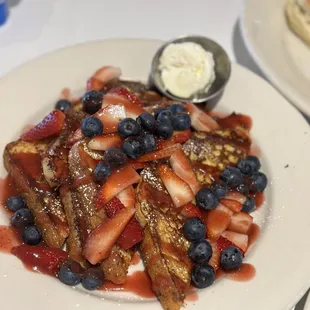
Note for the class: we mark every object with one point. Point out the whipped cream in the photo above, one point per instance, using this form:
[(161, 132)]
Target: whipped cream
[(304, 5), (186, 68)]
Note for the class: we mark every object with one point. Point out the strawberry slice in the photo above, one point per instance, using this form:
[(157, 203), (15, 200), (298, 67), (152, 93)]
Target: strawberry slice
[(222, 208), (137, 165), (117, 181), (75, 137), (86, 160), (177, 137), (216, 255), (104, 142), (191, 210), (127, 197), (182, 167), (51, 125), (216, 222), (239, 240), (101, 240), (39, 258), (179, 190), (126, 93), (234, 195), (241, 222), (223, 243), (113, 206), (102, 76), (201, 121), (233, 205), (167, 152), (110, 116)]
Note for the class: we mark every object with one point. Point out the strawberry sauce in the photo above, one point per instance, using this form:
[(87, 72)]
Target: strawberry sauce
[(254, 233), (259, 200)]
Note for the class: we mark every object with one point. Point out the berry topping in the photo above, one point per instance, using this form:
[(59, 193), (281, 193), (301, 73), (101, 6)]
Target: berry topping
[(92, 279), (149, 142), (128, 127), (164, 116), (191, 210), (249, 205), (232, 176), (206, 199), (164, 130), (217, 221), (63, 105), (200, 252), (157, 111), (240, 222), (162, 153), (91, 127), (181, 121), (70, 273), (219, 189), (194, 229), (32, 235), (22, 218), (249, 165), (147, 122), (258, 182), (15, 203), (239, 240), (104, 142), (203, 276), (92, 101), (243, 188), (102, 171), (128, 94), (51, 125), (231, 258), (133, 147), (115, 157), (177, 108)]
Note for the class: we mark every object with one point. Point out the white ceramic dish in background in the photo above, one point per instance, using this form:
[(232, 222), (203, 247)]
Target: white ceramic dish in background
[(283, 271), (281, 55)]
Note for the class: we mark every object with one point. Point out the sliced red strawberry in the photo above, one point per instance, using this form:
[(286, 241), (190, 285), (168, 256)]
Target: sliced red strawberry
[(51, 125), (200, 120), (102, 76), (104, 142), (240, 222), (42, 259), (191, 210), (223, 243), (75, 137), (137, 165), (179, 190), (216, 255), (126, 93), (101, 240), (117, 181), (110, 116), (132, 234), (127, 197), (182, 167), (221, 207), (239, 240), (234, 195), (216, 222), (167, 152), (113, 206), (86, 160), (177, 137), (233, 205)]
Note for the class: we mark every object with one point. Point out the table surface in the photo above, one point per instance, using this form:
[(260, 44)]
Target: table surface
[(36, 27)]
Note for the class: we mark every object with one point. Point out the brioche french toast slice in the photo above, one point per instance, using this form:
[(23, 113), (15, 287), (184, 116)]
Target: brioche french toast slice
[(164, 248), (22, 160)]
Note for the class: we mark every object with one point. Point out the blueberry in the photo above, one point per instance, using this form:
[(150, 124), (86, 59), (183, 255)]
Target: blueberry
[(32, 235), (177, 108), (243, 188), (115, 157), (194, 229), (149, 142), (22, 218), (91, 127), (147, 122), (15, 203), (258, 182), (133, 147), (70, 273), (206, 199), (164, 116), (63, 105), (219, 189), (128, 127), (181, 121), (231, 258), (164, 130), (203, 276), (200, 252), (232, 177), (249, 205), (157, 111), (249, 165), (92, 279), (92, 101), (102, 171)]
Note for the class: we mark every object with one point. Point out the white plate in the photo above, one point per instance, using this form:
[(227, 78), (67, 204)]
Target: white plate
[(283, 271), (281, 55)]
